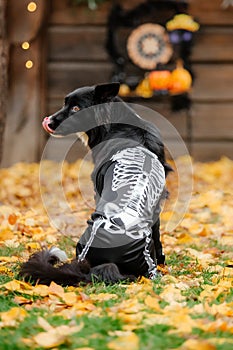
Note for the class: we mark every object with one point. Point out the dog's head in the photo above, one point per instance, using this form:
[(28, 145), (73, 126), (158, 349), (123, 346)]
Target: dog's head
[(68, 119)]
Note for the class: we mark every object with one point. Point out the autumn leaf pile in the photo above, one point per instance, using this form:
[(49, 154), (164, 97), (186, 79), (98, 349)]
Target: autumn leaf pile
[(189, 307)]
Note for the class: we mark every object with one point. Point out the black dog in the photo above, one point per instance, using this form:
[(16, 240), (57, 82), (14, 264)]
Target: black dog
[(122, 239)]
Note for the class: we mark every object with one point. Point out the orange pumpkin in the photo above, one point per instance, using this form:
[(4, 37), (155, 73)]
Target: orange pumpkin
[(180, 80), (159, 79)]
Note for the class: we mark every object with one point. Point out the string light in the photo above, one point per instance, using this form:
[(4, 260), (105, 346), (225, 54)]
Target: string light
[(25, 45), (29, 64), (32, 6)]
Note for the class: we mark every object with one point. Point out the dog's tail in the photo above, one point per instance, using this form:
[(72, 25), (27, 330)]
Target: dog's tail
[(48, 265)]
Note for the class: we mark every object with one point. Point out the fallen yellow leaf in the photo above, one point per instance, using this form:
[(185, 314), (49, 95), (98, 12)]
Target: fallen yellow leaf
[(11, 317), (132, 319), (185, 238), (70, 298), (4, 270), (218, 325), (56, 289), (55, 336), (18, 286), (194, 344), (130, 341), (220, 341), (44, 324), (49, 339), (171, 294), (33, 245), (152, 303), (9, 258), (199, 255), (129, 306), (6, 234), (22, 300), (103, 296), (86, 348)]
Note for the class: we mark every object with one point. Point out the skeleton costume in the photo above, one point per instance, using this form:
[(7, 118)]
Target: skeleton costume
[(122, 238), (130, 184)]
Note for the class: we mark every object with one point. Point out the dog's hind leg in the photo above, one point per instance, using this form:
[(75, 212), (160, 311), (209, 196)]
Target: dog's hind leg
[(109, 273), (160, 257)]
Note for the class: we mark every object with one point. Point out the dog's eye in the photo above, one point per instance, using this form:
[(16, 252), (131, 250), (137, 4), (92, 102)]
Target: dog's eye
[(75, 109)]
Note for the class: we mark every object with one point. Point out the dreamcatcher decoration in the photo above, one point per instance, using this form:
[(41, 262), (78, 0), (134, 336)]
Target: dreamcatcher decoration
[(158, 51), (149, 45)]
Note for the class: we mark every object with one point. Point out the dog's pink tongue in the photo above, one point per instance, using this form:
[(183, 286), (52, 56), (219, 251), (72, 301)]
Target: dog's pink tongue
[(45, 125)]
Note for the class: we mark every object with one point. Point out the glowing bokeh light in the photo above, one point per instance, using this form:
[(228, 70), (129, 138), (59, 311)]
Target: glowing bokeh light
[(25, 45), (29, 64), (32, 6)]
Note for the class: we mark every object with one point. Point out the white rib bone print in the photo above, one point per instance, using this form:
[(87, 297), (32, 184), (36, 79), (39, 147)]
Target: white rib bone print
[(145, 185)]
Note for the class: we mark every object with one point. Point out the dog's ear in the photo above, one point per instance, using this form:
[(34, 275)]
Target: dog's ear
[(105, 92)]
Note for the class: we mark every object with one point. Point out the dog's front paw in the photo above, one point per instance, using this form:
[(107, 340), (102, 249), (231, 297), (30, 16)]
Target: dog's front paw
[(155, 274)]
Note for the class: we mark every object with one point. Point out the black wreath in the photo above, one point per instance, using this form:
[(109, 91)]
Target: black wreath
[(150, 11), (154, 11)]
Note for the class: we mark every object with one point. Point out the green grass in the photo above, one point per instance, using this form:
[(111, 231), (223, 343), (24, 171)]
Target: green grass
[(67, 244), (96, 332), (178, 260), (11, 338), (157, 337), (6, 302), (11, 251), (4, 278)]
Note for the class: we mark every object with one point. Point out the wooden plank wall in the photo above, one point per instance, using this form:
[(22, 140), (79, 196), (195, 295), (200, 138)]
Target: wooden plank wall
[(4, 51), (23, 136), (76, 57)]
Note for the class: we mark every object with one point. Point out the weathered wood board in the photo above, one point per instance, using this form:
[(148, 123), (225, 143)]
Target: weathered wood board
[(77, 43), (68, 51), (213, 82), (208, 12)]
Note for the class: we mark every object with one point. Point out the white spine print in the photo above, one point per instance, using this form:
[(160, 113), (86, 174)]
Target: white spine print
[(136, 201)]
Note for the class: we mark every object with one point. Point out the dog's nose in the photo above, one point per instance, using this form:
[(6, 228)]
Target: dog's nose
[(46, 126)]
